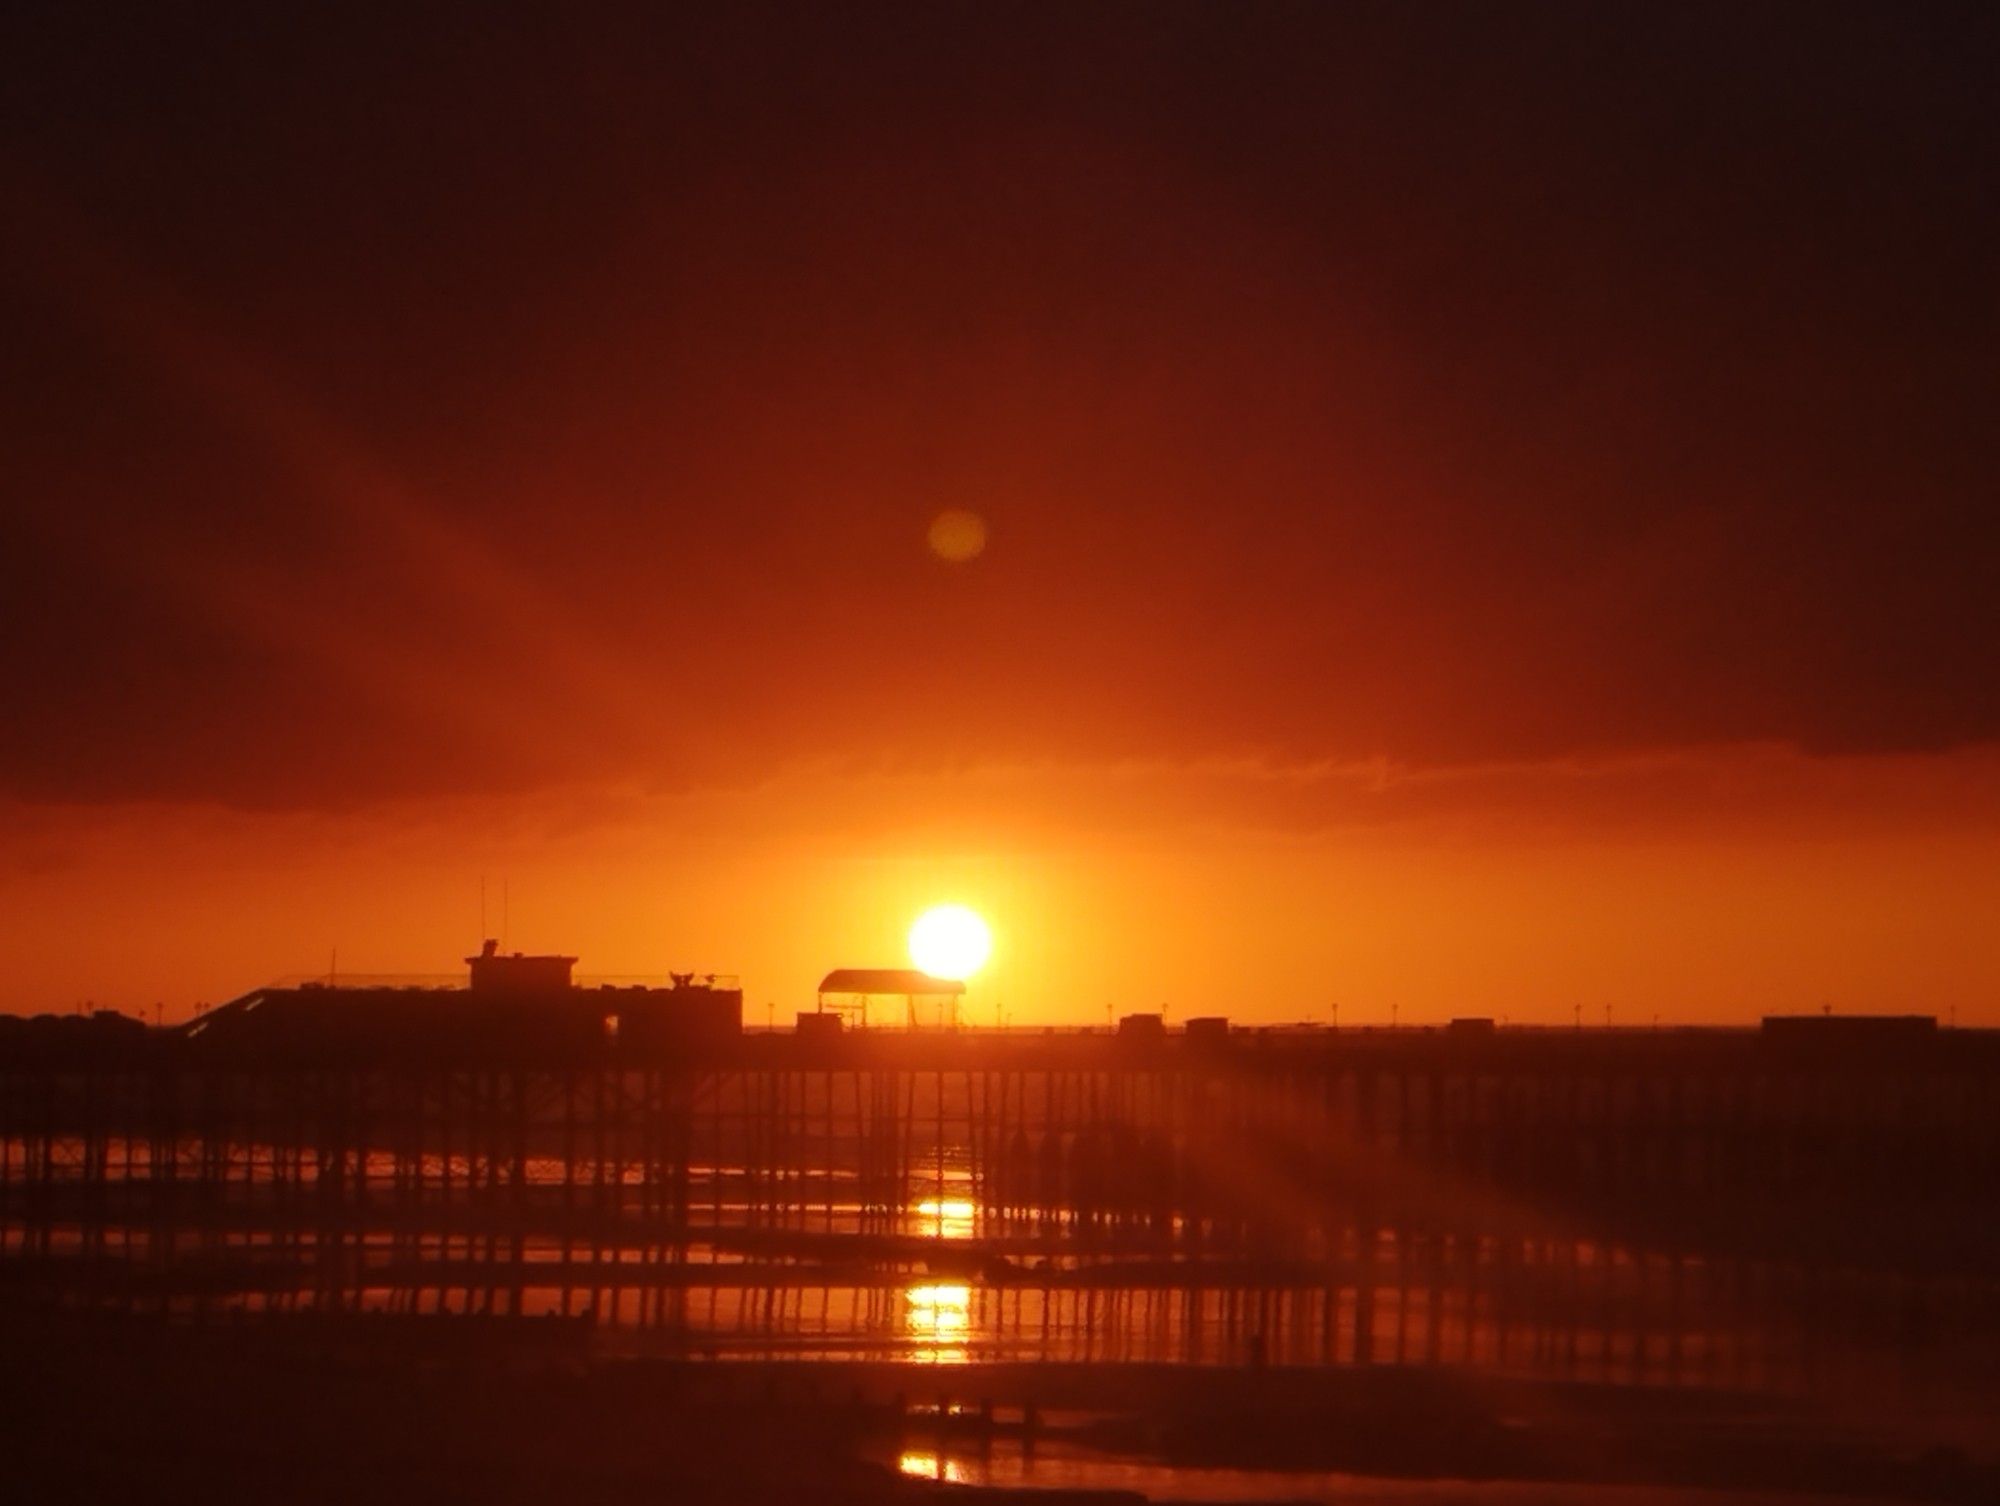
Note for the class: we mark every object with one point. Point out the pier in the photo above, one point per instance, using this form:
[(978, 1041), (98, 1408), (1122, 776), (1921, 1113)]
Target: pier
[(1803, 1206)]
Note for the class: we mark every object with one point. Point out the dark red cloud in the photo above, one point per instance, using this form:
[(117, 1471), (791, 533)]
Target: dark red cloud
[(413, 407)]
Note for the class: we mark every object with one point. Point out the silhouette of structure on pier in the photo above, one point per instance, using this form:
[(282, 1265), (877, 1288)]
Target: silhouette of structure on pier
[(846, 991)]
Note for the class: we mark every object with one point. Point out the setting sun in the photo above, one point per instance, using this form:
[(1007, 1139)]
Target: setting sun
[(950, 941)]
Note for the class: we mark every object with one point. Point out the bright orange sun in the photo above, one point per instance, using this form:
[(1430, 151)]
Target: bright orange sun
[(950, 941)]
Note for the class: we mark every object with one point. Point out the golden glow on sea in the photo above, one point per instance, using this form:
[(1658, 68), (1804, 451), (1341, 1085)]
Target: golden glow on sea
[(926, 1466), (947, 1218), (939, 1318)]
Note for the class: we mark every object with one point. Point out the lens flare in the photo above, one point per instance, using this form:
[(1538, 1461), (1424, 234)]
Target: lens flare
[(957, 535)]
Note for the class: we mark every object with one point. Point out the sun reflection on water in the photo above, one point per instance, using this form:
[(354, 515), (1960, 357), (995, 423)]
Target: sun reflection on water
[(926, 1466), (947, 1217), (939, 1318)]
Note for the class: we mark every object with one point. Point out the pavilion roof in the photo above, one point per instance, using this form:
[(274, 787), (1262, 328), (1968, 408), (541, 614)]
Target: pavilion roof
[(902, 981)]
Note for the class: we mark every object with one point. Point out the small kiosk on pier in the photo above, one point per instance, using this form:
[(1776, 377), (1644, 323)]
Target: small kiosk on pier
[(846, 991)]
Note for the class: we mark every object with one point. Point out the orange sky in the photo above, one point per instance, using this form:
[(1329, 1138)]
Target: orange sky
[(1483, 511), (1712, 885)]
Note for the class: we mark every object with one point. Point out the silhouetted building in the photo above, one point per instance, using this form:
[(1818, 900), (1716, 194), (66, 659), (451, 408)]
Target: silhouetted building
[(1207, 1030), (518, 974), (513, 1005)]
